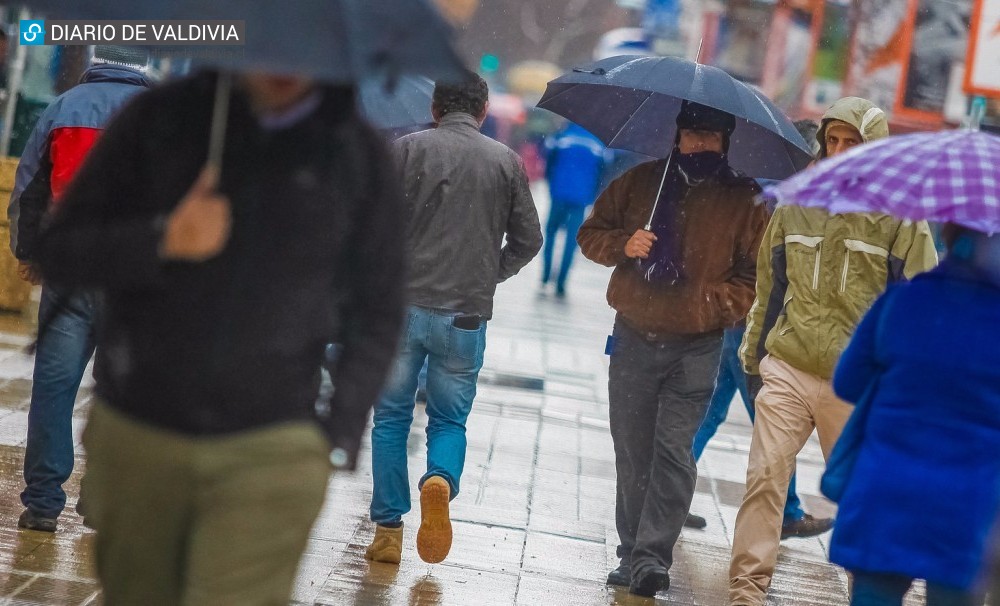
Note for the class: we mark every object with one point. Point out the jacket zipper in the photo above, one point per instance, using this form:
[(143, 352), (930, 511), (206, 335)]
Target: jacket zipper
[(819, 249), (843, 277)]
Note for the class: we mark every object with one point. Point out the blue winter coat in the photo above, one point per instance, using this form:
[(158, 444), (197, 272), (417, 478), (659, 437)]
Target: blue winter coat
[(574, 165), (925, 489)]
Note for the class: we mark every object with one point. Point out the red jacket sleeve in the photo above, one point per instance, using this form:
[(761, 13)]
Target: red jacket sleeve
[(68, 148)]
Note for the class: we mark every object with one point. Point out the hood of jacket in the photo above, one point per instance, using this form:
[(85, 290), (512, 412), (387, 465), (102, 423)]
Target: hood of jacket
[(107, 72), (860, 113)]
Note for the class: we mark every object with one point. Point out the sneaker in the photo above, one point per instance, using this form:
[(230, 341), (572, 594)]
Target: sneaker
[(808, 526), (693, 521), (387, 546), (434, 536), (650, 581), (30, 520), (621, 576)]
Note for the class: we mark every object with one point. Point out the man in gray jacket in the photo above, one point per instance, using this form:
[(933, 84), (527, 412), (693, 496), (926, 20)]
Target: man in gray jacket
[(464, 193)]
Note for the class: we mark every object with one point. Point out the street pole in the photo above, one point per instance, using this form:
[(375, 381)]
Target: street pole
[(13, 88)]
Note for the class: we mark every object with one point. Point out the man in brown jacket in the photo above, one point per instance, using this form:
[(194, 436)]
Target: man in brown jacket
[(675, 288)]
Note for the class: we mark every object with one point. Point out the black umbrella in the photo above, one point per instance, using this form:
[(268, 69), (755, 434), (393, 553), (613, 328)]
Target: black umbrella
[(631, 102), (332, 40), (338, 41), (405, 106)]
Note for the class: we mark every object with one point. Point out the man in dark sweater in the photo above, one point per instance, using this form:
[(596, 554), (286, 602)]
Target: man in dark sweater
[(207, 458), (465, 193)]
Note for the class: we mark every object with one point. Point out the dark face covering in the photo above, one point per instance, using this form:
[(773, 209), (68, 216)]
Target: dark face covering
[(699, 166)]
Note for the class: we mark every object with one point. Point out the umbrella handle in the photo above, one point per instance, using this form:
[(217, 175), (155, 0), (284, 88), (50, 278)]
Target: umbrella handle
[(220, 116), (656, 201)]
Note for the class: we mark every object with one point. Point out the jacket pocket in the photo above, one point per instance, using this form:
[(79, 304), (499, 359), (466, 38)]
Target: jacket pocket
[(805, 256), (874, 262)]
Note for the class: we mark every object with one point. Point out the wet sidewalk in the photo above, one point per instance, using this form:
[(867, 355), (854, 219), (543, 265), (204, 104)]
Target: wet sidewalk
[(534, 523)]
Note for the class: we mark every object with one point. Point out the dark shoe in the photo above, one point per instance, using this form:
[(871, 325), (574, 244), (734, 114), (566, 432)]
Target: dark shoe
[(693, 521), (560, 292), (29, 520), (621, 576), (649, 581), (808, 526)]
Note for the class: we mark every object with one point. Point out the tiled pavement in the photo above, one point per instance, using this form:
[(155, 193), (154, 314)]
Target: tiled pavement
[(534, 523)]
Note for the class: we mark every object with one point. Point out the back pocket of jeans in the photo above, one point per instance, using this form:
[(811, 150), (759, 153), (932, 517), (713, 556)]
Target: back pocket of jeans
[(465, 349)]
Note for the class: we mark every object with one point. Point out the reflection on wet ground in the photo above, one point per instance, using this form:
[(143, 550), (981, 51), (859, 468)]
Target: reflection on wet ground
[(534, 523)]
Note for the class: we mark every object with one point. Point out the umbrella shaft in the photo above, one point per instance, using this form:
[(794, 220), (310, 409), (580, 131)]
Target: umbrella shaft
[(659, 192)]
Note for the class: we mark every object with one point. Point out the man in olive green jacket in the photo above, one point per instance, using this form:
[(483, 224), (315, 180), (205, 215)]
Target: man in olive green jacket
[(817, 274)]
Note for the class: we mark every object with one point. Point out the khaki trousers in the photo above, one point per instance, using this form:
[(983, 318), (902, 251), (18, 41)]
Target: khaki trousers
[(214, 520), (789, 406)]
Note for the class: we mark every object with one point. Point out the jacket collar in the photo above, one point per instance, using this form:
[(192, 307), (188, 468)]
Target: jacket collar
[(120, 74), (456, 120)]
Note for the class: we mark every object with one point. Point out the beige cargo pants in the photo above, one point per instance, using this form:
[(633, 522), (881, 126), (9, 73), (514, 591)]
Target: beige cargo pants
[(789, 406)]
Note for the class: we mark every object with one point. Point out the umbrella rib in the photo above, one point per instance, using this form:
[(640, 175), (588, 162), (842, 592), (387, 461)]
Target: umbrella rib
[(632, 115)]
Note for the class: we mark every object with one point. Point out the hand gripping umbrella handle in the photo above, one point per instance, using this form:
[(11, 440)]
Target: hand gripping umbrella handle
[(659, 192)]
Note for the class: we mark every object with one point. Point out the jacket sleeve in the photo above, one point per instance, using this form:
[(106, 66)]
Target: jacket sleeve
[(32, 193), (99, 236), (772, 283), (859, 365), (602, 237), (524, 234), (913, 251), (736, 295), (371, 305)]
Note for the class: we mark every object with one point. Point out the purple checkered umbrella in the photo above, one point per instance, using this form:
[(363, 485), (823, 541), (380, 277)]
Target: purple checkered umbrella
[(944, 177)]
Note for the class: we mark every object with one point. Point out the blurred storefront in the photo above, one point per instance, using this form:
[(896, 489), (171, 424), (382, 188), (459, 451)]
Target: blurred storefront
[(906, 55)]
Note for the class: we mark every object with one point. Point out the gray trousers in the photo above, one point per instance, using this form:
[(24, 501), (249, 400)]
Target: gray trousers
[(659, 393)]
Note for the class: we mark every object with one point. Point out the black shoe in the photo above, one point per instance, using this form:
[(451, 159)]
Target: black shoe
[(693, 521), (30, 520), (808, 526), (649, 581), (621, 576)]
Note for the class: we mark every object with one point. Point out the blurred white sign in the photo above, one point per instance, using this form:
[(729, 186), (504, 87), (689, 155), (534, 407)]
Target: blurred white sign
[(983, 73)]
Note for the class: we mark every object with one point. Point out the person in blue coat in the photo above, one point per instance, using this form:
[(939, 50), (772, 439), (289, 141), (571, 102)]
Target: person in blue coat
[(924, 491), (573, 168)]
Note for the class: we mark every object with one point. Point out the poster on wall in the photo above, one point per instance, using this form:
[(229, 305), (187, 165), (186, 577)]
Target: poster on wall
[(831, 43), (789, 45), (878, 51), (983, 74), (939, 40)]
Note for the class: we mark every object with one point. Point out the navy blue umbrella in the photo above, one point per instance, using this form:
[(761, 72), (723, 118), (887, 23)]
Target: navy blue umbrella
[(337, 41), (405, 106), (631, 102)]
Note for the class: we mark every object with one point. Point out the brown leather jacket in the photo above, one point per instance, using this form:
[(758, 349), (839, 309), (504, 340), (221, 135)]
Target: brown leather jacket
[(723, 228)]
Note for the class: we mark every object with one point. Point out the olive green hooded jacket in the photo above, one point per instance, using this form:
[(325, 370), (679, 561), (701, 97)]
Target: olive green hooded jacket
[(818, 273)]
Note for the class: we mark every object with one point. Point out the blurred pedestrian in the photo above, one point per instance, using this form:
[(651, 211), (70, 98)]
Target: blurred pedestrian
[(207, 459), (63, 136), (795, 521), (675, 289), (930, 436), (465, 194), (573, 166), (817, 273)]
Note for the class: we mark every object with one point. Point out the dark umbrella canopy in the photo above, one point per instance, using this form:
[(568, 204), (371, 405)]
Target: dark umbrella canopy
[(337, 41), (406, 105), (631, 103)]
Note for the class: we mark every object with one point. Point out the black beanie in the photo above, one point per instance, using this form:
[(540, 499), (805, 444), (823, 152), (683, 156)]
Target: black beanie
[(695, 116)]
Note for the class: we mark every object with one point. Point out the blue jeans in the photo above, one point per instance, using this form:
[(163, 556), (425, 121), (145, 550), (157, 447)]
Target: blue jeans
[(731, 379), (454, 357), (64, 348), (570, 217), (881, 589)]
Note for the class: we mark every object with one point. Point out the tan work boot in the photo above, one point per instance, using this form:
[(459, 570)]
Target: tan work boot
[(387, 546), (434, 536)]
